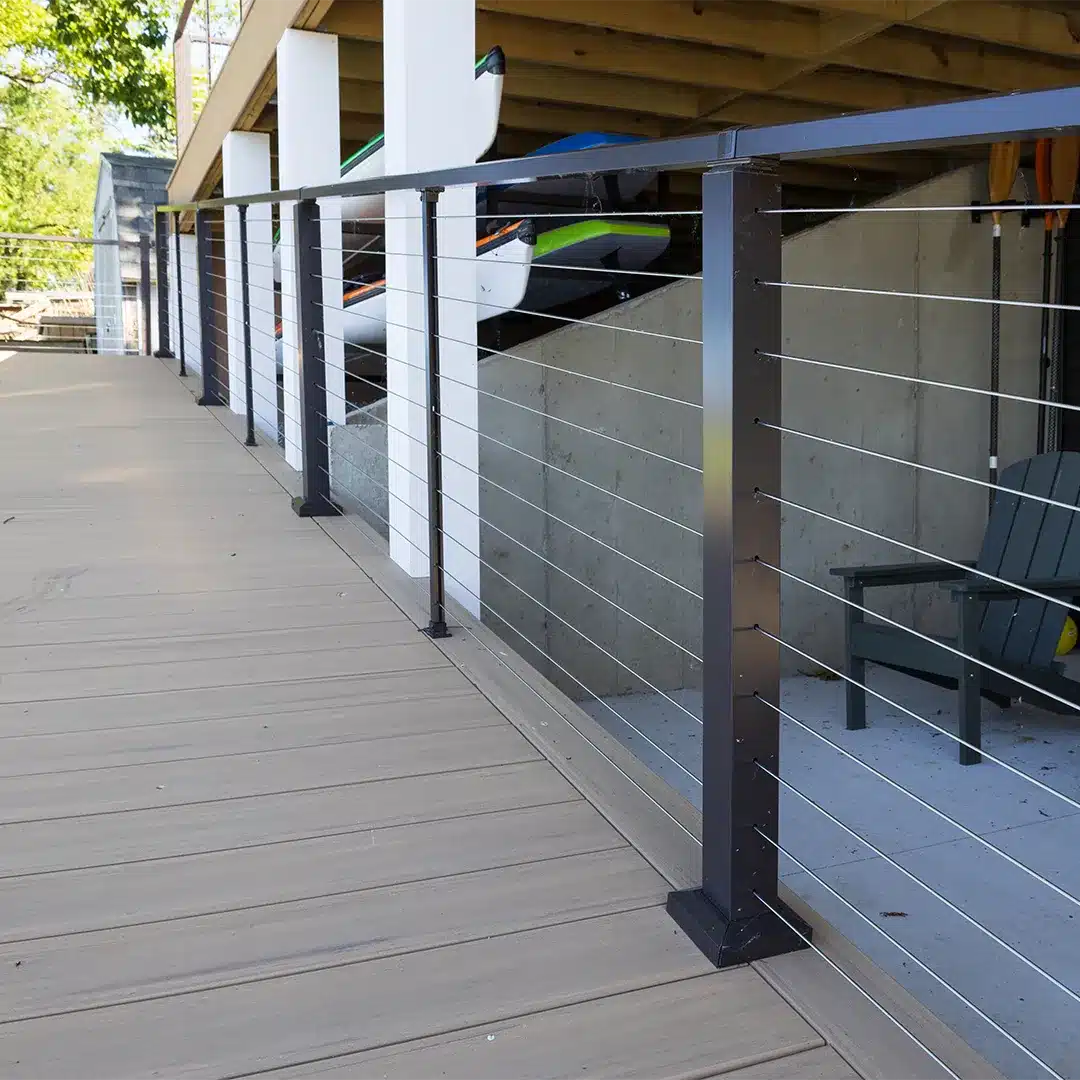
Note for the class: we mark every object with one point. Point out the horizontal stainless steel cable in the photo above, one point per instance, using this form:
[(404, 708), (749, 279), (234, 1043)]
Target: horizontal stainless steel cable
[(910, 955), (443, 377), (969, 833), (1011, 950), (578, 581), (537, 363), (922, 719), (919, 381), (550, 659), (1070, 705), (964, 569), (566, 720), (969, 208), (554, 614), (587, 690), (571, 213), (539, 314), (919, 466), (866, 994), (577, 427), (585, 637), (599, 270), (921, 296), (525, 502), (547, 465)]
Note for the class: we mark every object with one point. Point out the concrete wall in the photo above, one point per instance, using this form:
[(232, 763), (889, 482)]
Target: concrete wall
[(549, 543), (358, 465), (928, 253)]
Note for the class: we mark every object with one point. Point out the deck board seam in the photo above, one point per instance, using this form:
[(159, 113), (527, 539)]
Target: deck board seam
[(411, 669), (210, 636), (573, 797), (339, 965), (254, 753), (264, 794), (417, 696), (499, 1018), (314, 897)]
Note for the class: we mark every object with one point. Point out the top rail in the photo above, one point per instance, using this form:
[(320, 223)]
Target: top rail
[(923, 127), (58, 239)]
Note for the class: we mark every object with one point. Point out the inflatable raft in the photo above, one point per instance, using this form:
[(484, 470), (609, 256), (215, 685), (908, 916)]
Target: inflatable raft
[(503, 264)]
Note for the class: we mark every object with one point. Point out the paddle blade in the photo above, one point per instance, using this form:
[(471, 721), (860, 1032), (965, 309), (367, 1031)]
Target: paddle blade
[(1004, 161), (1042, 179), (1064, 164)]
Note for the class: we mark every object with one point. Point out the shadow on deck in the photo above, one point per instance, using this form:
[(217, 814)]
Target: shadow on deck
[(252, 821)]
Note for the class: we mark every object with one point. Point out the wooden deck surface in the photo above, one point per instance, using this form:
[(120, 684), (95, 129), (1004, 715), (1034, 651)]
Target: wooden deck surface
[(252, 821)]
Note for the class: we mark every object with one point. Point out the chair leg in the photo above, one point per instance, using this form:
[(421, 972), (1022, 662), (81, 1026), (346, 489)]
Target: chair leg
[(970, 685), (855, 667)]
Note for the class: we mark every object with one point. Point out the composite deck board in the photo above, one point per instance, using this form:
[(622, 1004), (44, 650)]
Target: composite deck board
[(194, 740), (226, 702), (251, 819), (229, 825)]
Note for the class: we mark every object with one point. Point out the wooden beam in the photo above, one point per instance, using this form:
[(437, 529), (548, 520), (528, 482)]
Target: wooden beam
[(532, 116), (952, 61), (361, 61), (1054, 33), (835, 35), (586, 50), (790, 32), (542, 83), (920, 55), (583, 49)]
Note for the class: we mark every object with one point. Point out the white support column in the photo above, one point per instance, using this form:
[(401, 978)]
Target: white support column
[(429, 52), (245, 158), (174, 285), (309, 153), (189, 283)]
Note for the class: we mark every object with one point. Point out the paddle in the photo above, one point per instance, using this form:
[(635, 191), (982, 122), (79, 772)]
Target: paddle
[(1064, 165), (1004, 161)]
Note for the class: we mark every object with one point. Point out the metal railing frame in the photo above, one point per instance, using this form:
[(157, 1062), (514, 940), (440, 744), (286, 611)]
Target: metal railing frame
[(726, 917)]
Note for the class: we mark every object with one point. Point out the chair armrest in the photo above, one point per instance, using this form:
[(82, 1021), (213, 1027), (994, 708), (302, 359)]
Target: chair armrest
[(899, 573), (993, 590)]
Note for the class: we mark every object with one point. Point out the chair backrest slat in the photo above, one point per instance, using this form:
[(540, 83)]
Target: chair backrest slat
[(1026, 538)]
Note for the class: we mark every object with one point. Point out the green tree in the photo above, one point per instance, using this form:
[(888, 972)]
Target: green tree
[(108, 52), (48, 174)]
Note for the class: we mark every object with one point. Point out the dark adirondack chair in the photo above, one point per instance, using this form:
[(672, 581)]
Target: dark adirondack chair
[(1027, 542)]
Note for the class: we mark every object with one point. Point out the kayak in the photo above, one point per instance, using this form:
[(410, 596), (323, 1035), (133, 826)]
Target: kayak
[(580, 259), (593, 192), (503, 263), (369, 162)]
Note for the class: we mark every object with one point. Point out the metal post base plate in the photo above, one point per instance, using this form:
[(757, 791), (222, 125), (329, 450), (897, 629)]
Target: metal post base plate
[(306, 508), (727, 943), (209, 401), (164, 354), (436, 630)]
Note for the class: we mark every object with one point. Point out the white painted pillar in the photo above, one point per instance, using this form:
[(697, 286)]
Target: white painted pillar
[(189, 283), (429, 53), (245, 159), (174, 285), (309, 153)]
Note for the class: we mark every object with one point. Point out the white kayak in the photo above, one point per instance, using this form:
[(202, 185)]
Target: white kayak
[(503, 264), (479, 128)]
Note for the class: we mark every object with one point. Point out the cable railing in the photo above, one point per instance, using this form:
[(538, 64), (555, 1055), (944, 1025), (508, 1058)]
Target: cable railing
[(759, 507), (75, 294)]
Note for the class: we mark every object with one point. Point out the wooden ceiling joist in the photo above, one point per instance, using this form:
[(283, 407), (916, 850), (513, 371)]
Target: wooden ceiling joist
[(659, 68)]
